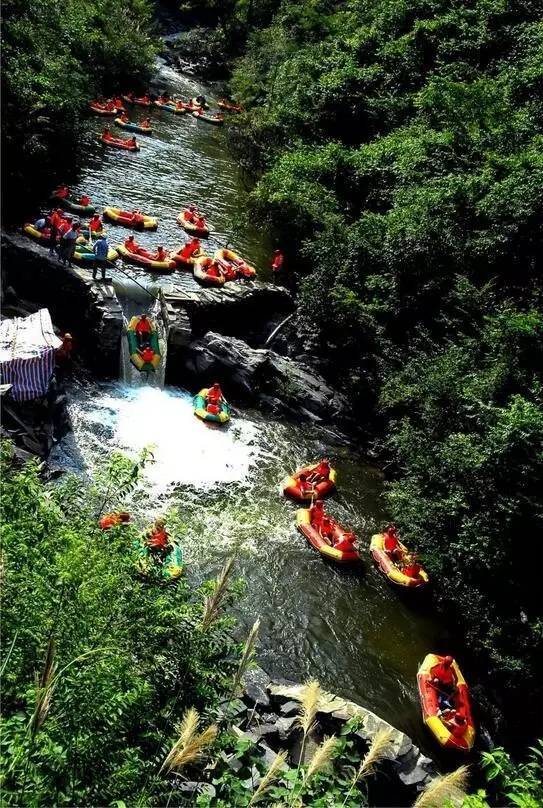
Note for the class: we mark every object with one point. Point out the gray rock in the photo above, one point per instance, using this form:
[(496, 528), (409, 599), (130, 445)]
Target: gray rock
[(284, 726), (265, 731), (255, 685), (290, 708), (232, 761), (262, 376)]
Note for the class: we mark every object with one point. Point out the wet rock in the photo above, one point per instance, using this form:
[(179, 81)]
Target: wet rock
[(255, 684), (258, 375)]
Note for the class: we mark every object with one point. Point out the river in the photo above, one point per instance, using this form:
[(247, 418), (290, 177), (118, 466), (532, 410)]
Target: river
[(348, 628)]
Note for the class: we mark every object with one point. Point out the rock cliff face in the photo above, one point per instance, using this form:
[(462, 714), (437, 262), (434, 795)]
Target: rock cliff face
[(259, 376)]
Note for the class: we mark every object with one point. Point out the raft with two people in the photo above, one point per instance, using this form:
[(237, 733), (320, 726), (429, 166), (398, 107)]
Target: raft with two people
[(216, 118), (64, 199), (170, 105), (446, 713), (143, 343), (134, 219), (209, 405), (132, 126), (336, 545), (139, 101), (131, 144), (233, 265), (397, 563), (149, 260), (310, 482), (193, 223), (107, 109)]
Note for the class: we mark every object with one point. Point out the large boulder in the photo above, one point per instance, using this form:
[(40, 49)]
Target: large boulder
[(263, 377)]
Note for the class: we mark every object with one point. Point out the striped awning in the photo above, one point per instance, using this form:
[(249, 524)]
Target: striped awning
[(27, 354)]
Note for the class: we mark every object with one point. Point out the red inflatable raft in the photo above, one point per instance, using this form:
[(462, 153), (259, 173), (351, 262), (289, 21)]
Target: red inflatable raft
[(430, 706), (184, 219), (101, 109), (119, 143), (339, 534), (291, 486)]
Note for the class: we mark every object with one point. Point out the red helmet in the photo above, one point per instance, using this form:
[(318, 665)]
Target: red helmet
[(448, 661)]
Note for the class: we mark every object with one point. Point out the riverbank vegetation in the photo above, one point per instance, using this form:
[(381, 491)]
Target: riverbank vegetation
[(55, 58), (399, 154), (98, 664)]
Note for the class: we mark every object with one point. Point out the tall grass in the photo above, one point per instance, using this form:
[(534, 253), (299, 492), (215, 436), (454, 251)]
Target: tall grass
[(213, 602)]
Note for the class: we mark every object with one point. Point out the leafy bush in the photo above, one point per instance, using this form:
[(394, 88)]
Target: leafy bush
[(118, 659)]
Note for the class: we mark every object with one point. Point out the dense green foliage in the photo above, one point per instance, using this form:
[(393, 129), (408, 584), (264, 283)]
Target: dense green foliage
[(518, 785), (56, 57), (119, 658), (400, 152)]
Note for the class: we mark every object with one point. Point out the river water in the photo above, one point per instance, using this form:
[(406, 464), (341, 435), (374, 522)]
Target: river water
[(347, 628)]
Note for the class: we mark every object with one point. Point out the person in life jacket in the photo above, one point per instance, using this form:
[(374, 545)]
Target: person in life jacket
[(326, 529), (214, 398), (124, 117), (147, 354), (118, 102), (106, 133), (110, 106), (84, 200), (190, 249), (345, 542), (109, 520), (133, 142), (304, 486), (392, 544), (138, 219), (410, 566), (200, 222), (278, 259), (179, 105), (443, 677), (190, 214), (214, 270), (143, 330), (157, 538), (62, 192), (146, 123), (316, 513), (64, 225), (95, 224), (321, 472), (131, 245), (161, 254)]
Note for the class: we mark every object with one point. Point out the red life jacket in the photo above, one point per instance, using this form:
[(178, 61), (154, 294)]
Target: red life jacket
[(109, 520), (444, 675), (143, 327), (95, 224), (159, 538)]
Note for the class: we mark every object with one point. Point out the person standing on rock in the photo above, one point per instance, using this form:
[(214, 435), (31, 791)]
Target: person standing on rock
[(100, 250), (67, 245)]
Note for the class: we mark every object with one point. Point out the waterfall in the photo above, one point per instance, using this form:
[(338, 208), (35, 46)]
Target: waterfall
[(139, 297)]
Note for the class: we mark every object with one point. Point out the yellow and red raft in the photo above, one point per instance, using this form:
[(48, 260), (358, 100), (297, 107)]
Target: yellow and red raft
[(429, 699)]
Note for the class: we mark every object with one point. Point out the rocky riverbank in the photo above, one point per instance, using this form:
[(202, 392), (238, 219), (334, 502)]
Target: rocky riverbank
[(265, 718)]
